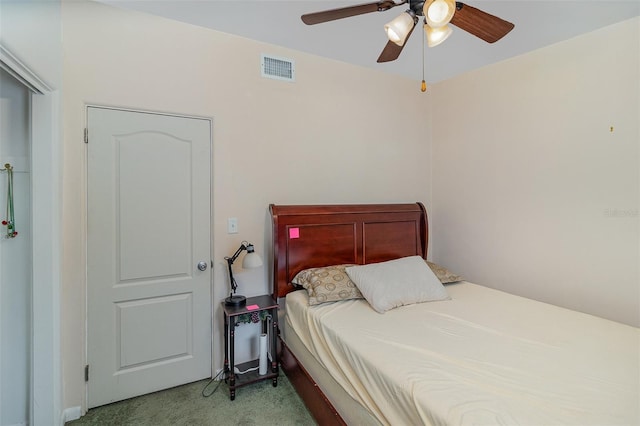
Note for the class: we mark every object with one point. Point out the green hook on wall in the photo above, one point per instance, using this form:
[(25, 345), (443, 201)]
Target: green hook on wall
[(10, 221)]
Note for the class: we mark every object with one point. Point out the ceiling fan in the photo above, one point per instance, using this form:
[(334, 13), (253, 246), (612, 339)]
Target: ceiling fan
[(437, 15)]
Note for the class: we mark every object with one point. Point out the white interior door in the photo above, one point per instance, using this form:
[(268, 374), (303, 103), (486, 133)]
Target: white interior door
[(149, 202)]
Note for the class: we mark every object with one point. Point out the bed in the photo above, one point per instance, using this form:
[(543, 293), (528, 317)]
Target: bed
[(476, 356)]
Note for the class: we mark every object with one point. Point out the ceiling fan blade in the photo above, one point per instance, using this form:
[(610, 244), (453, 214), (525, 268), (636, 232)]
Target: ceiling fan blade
[(391, 51), (481, 24), (346, 12)]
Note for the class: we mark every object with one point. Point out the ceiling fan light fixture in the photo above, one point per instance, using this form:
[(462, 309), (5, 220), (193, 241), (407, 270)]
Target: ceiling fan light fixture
[(435, 36), (399, 28), (438, 13)]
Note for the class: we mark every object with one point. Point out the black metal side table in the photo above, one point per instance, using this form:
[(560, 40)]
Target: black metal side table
[(267, 311)]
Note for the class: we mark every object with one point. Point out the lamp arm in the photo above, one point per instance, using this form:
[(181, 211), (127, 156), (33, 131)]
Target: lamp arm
[(232, 280), (243, 246)]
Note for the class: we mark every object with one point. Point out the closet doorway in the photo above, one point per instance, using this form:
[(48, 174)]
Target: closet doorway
[(15, 251), (30, 390)]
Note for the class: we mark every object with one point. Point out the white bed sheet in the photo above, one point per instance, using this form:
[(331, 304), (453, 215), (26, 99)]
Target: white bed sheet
[(483, 357)]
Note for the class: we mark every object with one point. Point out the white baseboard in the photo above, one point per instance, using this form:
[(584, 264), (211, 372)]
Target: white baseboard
[(219, 374), (71, 413)]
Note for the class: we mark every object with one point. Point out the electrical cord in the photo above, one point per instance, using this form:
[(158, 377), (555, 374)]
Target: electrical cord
[(235, 369), (209, 383)]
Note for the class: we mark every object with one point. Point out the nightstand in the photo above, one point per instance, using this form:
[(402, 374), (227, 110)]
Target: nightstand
[(265, 309)]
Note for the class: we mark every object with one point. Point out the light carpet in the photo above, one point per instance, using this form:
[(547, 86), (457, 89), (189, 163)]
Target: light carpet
[(255, 404)]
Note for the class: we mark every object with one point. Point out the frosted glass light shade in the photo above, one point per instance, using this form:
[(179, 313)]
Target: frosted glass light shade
[(398, 29), (251, 260), (438, 13), (435, 36)]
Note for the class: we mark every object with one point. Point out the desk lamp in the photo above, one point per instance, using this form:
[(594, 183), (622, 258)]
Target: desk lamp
[(251, 260)]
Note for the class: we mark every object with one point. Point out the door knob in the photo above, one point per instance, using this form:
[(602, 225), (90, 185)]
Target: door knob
[(202, 266)]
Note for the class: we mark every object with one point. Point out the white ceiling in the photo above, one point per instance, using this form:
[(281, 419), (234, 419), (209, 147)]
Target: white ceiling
[(360, 39)]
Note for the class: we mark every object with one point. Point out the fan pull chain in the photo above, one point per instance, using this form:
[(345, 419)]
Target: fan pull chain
[(423, 86), (10, 221)]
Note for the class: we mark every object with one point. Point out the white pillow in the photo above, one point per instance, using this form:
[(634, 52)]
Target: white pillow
[(398, 282)]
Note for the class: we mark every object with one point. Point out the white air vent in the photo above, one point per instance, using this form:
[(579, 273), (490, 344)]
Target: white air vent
[(278, 68)]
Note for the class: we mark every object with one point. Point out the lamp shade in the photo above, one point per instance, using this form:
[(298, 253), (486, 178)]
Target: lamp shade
[(438, 13), (435, 36), (251, 260), (398, 29)]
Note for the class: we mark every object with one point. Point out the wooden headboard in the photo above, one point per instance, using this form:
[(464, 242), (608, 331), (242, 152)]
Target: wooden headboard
[(308, 236)]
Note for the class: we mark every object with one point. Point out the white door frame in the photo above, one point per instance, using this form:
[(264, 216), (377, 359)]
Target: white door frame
[(46, 190)]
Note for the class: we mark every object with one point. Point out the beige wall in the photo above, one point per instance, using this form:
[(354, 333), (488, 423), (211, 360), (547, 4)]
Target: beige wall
[(533, 192), (327, 138)]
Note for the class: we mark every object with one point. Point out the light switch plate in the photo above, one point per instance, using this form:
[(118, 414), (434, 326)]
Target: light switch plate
[(232, 225)]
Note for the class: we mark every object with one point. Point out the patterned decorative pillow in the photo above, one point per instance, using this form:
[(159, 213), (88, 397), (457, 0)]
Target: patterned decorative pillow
[(327, 284), (444, 275)]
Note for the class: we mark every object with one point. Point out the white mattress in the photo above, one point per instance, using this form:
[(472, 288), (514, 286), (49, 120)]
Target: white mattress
[(483, 357)]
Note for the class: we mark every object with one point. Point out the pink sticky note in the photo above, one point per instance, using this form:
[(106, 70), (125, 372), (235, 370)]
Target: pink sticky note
[(294, 233), (252, 307)]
